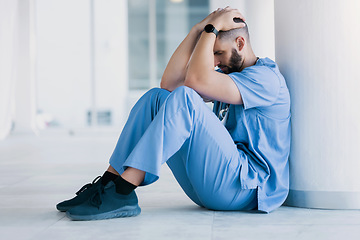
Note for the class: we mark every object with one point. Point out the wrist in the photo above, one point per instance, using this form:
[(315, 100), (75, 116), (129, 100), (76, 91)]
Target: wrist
[(198, 28), (211, 29), (217, 25)]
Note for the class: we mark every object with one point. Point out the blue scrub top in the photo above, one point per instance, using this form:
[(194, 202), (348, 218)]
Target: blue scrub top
[(261, 130)]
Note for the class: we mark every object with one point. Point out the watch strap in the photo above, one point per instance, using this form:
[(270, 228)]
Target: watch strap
[(211, 29)]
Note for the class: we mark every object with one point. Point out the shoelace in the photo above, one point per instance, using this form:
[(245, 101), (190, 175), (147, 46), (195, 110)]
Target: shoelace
[(96, 199), (86, 186)]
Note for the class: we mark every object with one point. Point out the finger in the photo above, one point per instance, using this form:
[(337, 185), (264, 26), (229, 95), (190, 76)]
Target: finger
[(238, 20), (242, 24), (239, 15), (226, 9)]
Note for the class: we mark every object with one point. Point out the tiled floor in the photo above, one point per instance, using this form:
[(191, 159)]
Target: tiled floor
[(37, 172)]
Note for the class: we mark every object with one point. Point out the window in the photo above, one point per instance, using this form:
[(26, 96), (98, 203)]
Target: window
[(156, 28), (92, 55)]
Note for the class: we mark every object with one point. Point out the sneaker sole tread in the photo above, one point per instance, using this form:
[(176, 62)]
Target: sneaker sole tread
[(127, 211)]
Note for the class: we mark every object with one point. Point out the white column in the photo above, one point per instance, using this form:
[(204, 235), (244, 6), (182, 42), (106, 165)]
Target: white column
[(260, 18), (317, 49), (124, 63), (25, 98), (92, 19), (8, 14), (152, 44), (111, 50)]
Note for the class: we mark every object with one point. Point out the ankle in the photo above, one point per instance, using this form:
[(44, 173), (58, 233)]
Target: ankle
[(107, 177), (112, 170), (124, 187), (133, 176)]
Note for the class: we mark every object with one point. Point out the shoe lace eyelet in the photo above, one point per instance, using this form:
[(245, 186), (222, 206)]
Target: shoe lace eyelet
[(86, 186)]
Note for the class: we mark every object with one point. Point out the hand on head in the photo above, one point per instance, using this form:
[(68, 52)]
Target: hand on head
[(225, 19)]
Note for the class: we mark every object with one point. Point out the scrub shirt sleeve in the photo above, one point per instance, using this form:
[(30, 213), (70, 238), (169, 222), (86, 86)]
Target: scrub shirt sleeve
[(259, 86)]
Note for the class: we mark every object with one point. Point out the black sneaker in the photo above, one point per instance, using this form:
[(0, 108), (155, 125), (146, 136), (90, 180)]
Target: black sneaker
[(105, 204), (81, 196)]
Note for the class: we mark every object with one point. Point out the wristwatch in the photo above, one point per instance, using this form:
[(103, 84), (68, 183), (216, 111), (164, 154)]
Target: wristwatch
[(211, 29)]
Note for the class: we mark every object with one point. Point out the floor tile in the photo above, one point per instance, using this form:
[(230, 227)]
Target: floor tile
[(38, 172)]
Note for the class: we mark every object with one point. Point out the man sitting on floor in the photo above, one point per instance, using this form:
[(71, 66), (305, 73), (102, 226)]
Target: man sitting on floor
[(232, 158)]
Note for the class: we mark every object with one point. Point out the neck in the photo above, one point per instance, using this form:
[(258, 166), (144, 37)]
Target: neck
[(249, 59)]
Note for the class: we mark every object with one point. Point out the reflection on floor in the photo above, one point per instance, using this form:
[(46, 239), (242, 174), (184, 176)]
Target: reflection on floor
[(38, 172)]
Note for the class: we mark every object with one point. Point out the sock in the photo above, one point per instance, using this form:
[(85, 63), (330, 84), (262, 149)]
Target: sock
[(107, 177), (123, 186)]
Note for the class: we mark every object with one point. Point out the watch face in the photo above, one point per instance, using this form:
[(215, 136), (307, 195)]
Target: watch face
[(209, 28)]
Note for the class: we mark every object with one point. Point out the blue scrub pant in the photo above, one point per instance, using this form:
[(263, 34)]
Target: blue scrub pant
[(179, 128)]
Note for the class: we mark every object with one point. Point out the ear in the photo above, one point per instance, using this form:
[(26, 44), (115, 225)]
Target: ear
[(240, 43)]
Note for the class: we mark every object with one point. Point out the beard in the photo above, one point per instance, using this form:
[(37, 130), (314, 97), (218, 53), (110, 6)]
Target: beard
[(235, 63)]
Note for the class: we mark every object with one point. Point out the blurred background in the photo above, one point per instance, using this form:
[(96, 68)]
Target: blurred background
[(73, 66)]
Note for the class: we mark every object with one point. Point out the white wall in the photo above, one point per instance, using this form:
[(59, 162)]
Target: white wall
[(317, 49), (111, 36), (64, 60), (8, 37)]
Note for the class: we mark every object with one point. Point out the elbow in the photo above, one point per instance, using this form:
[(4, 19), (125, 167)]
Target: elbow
[(164, 84), (193, 80), (168, 85), (190, 80)]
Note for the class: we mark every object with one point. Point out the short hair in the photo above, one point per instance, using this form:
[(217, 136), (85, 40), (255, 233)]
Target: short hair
[(234, 33)]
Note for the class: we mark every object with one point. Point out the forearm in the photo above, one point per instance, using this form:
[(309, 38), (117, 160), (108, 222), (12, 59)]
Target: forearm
[(201, 64), (175, 72), (200, 72)]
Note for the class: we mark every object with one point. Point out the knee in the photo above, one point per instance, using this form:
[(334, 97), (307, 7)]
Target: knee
[(155, 94), (157, 91), (184, 92), (183, 89)]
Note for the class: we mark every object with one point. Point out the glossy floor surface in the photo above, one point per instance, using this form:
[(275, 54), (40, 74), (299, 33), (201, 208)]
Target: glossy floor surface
[(38, 172)]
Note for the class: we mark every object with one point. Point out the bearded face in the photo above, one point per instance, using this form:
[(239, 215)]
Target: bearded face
[(234, 64)]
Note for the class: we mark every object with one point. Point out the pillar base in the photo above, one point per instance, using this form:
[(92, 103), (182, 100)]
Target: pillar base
[(323, 199)]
